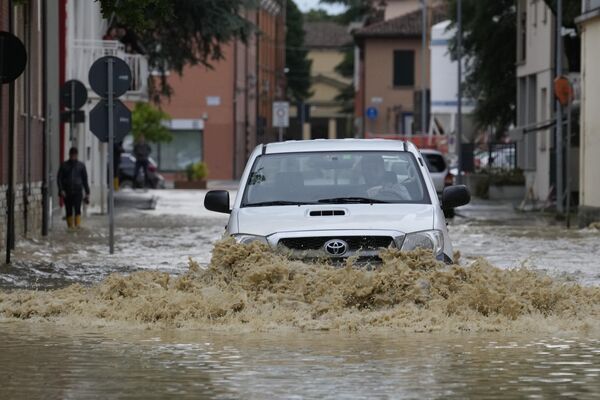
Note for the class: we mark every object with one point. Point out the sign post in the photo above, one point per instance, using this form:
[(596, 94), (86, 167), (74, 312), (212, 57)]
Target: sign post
[(73, 95), (563, 90), (11, 68), (110, 77), (281, 116)]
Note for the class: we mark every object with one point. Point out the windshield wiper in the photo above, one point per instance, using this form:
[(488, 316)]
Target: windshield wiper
[(345, 200), (277, 203)]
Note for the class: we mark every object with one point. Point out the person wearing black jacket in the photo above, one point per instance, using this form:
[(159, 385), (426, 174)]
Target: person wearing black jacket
[(72, 182)]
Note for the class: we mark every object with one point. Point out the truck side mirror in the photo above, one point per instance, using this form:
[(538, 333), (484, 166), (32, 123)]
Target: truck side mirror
[(217, 201), (455, 196)]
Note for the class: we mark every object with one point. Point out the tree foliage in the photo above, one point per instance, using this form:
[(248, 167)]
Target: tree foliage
[(489, 43), (148, 120), (366, 11), (296, 55), (176, 33)]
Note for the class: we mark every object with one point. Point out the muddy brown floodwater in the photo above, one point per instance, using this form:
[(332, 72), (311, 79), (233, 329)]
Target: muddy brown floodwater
[(523, 322)]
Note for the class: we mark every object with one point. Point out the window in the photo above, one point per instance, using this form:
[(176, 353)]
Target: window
[(435, 162), (404, 68), (335, 177), (183, 150)]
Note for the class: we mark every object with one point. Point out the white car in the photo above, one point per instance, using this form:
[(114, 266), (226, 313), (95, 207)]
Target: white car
[(339, 198), (438, 169)]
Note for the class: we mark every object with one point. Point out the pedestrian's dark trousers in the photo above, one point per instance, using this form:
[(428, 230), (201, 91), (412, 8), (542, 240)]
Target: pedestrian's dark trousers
[(143, 165), (73, 204)]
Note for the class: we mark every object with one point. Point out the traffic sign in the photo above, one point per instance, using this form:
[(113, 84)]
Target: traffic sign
[(121, 76), (99, 121), (13, 57), (73, 94), (281, 114), (372, 113)]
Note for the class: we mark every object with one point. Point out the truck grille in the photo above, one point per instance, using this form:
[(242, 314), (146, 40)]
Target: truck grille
[(355, 243)]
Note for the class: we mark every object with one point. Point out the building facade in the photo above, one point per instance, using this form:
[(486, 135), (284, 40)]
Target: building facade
[(83, 34), (29, 123), (589, 187), (535, 97), (392, 73), (327, 42), (226, 110)]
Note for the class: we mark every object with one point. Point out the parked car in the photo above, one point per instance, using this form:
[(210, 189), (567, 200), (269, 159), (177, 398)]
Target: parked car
[(438, 169), (339, 198), (126, 173)]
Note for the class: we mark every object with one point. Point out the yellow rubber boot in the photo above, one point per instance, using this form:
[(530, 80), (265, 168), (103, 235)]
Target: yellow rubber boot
[(77, 221), (70, 222)]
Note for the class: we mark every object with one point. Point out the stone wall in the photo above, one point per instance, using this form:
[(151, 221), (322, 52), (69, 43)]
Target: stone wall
[(34, 213)]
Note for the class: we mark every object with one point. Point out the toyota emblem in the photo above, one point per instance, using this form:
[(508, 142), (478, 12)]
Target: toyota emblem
[(336, 247)]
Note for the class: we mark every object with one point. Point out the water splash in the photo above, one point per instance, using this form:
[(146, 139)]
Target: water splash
[(248, 287)]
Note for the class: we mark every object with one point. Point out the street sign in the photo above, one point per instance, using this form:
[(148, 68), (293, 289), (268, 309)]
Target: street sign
[(73, 94), (121, 76), (13, 57), (372, 113), (99, 121), (281, 114)]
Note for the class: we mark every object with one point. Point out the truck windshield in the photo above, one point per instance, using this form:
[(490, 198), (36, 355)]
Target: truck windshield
[(337, 177)]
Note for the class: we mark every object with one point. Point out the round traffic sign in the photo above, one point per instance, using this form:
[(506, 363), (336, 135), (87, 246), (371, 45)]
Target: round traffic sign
[(121, 120), (73, 94), (121, 76), (13, 57), (372, 113)]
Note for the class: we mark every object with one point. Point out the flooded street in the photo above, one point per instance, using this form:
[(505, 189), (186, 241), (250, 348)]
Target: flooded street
[(45, 361), (253, 325)]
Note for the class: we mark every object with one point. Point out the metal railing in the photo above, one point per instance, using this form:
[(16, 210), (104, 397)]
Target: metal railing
[(85, 52), (501, 156)]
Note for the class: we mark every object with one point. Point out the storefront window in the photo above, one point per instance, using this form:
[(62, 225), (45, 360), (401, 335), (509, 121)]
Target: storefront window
[(183, 150)]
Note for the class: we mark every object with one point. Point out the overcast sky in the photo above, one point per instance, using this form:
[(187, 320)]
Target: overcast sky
[(306, 5)]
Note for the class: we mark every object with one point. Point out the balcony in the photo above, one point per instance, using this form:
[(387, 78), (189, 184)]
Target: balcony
[(83, 53)]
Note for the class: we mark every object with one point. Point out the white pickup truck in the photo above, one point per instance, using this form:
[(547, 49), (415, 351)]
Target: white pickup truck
[(339, 198)]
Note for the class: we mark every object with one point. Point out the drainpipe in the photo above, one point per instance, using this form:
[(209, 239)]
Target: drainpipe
[(559, 117), (10, 196), (424, 69), (47, 115), (27, 148)]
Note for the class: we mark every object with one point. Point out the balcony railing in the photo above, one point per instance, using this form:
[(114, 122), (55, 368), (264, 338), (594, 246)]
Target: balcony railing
[(84, 52)]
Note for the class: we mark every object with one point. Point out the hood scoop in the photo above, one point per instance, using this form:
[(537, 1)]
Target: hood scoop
[(327, 213)]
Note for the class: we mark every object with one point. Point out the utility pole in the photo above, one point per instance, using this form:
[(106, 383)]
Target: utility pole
[(424, 70), (459, 51), (559, 117)]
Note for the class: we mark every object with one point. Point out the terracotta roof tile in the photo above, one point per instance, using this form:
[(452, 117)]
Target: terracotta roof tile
[(407, 25), (326, 35)]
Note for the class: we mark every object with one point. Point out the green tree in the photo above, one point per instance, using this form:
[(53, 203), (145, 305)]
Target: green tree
[(148, 120), (489, 43), (318, 15), (346, 69), (297, 62), (176, 33), (366, 11)]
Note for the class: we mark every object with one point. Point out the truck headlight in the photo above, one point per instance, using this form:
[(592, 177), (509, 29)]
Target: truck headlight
[(247, 239), (431, 240)]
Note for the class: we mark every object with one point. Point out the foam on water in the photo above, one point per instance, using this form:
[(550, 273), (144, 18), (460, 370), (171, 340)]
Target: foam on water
[(248, 287)]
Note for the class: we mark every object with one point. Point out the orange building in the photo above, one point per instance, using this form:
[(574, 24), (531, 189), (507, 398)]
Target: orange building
[(219, 115)]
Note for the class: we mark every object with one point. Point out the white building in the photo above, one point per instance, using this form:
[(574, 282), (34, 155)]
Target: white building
[(85, 29), (444, 90), (589, 187), (535, 103)]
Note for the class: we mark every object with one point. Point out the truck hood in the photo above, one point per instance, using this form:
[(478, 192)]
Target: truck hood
[(265, 221)]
